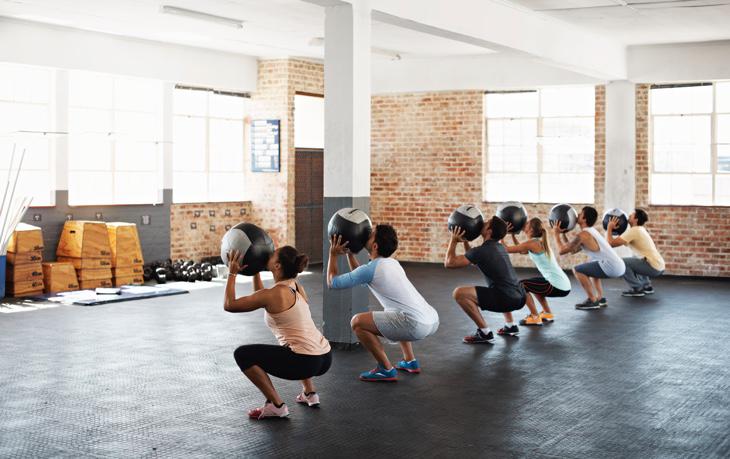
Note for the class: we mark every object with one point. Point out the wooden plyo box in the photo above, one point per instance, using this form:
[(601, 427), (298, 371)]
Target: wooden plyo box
[(25, 258), (128, 280), (87, 263), (84, 239), (124, 243), (59, 277), (128, 271), (94, 274), (24, 273), (96, 283), (24, 288), (25, 238)]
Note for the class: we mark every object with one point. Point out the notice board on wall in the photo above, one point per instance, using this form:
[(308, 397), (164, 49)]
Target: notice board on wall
[(265, 146)]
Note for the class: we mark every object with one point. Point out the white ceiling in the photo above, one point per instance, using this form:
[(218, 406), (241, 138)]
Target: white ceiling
[(639, 22), (272, 28)]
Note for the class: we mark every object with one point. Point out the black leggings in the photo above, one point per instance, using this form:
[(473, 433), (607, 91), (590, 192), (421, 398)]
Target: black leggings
[(282, 362), (540, 286)]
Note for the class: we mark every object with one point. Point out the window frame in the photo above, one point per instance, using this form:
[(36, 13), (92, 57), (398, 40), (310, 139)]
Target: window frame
[(539, 144), (207, 118), (713, 172)]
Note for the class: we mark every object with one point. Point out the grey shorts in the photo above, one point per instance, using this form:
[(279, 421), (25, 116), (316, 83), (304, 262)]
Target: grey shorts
[(592, 269), (396, 326)]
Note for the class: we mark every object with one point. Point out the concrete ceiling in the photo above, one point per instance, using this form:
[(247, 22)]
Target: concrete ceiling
[(272, 28), (640, 22)]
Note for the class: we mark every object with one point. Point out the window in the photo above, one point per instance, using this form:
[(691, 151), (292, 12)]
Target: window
[(208, 150), (25, 123), (537, 141), (114, 142), (690, 144), (308, 121)]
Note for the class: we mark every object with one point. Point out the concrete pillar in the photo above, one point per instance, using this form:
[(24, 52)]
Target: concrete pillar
[(346, 145), (620, 148)]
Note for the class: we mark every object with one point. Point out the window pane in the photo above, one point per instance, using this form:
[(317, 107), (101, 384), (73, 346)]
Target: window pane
[(682, 143), (507, 187), (308, 122), (84, 121), (227, 186), (723, 97), (564, 187), (88, 188), (25, 84), (190, 102), (136, 156), (190, 187), (37, 179), (573, 101), (512, 145), (511, 105), (568, 145), (723, 158), (90, 90), (723, 129), (138, 94), (225, 106), (137, 126), (189, 144), (226, 145), (722, 190), (691, 99), (136, 188), (31, 117), (681, 189), (89, 152)]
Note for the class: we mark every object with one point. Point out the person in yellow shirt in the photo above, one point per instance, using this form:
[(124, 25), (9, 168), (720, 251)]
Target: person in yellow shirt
[(647, 263)]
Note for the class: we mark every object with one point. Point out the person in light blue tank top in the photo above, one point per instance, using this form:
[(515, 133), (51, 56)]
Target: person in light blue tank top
[(553, 281)]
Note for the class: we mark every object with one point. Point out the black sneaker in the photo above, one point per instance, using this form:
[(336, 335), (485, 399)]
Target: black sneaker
[(509, 331), (602, 302), (588, 304), (633, 292), (479, 337), (649, 290)]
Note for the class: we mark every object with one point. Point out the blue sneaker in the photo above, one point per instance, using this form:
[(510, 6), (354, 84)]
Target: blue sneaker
[(410, 367), (379, 374)]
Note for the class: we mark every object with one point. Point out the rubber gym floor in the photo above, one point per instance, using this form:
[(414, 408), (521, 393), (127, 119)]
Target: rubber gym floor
[(644, 377)]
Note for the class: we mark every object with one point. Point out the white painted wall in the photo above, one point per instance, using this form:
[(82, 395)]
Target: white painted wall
[(490, 72), (66, 48), (679, 62)]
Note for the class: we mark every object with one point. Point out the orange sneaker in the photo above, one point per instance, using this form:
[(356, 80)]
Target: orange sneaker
[(547, 316), (531, 320)]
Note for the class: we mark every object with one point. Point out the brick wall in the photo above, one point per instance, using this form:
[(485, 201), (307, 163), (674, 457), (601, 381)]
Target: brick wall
[(196, 229), (693, 240), (427, 152), (271, 204)]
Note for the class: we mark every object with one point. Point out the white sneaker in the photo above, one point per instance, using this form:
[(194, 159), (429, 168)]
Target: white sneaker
[(269, 410), (311, 399)]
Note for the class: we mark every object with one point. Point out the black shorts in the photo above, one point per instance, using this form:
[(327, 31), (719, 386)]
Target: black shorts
[(282, 362), (491, 299), (540, 286)]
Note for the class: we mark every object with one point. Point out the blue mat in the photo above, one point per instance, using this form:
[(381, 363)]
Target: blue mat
[(127, 294)]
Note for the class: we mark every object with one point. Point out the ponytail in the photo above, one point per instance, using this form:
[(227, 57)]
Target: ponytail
[(538, 230)]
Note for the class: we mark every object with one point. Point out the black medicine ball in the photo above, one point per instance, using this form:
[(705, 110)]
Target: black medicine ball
[(513, 212), (565, 214), (623, 221), (253, 243), (353, 225), (470, 219)]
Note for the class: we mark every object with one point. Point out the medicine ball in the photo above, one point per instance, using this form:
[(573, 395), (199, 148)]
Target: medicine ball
[(565, 214), (623, 221), (159, 275), (353, 225), (470, 219), (513, 212), (252, 242)]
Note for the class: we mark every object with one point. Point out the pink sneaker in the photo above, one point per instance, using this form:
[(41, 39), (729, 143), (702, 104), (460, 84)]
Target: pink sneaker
[(269, 410), (311, 399)]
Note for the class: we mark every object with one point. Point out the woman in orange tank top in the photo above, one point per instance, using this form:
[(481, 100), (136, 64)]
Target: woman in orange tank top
[(302, 353)]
